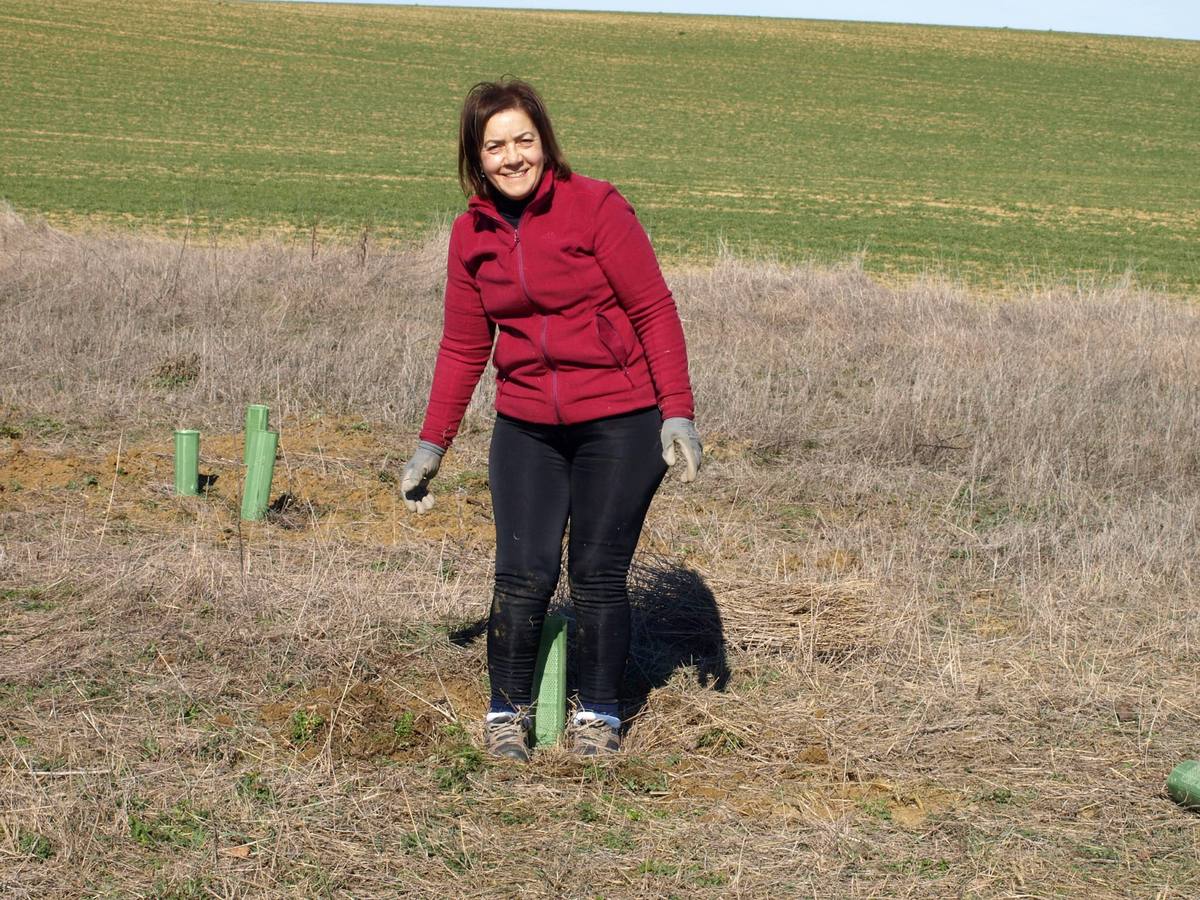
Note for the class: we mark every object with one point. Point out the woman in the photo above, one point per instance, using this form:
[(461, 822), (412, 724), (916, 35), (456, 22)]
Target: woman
[(593, 399)]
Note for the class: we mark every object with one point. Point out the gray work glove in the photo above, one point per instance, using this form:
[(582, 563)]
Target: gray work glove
[(679, 433), (414, 480)]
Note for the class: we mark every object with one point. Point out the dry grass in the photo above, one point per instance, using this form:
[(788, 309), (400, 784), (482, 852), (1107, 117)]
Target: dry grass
[(926, 626)]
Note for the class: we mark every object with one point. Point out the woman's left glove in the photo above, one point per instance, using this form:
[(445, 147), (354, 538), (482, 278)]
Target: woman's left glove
[(414, 480), (681, 434)]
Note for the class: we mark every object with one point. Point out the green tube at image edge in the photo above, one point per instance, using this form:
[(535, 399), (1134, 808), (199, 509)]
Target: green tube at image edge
[(1183, 784)]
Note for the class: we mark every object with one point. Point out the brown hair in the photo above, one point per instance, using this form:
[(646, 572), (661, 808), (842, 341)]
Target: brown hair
[(483, 101)]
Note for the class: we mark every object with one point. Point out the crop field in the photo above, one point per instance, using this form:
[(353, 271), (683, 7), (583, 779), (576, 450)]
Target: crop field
[(1001, 158)]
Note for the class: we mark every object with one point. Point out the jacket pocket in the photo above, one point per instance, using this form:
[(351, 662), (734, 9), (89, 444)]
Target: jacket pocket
[(612, 341)]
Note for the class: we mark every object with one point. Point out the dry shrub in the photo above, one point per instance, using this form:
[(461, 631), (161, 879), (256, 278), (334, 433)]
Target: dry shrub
[(131, 330), (1044, 391)]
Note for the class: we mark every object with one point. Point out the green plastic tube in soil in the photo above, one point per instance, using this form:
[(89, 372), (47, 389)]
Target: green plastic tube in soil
[(257, 416), (1183, 784), (550, 683), (187, 462), (256, 488)]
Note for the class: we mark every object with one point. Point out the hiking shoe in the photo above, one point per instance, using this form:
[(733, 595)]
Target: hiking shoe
[(507, 735), (593, 735)]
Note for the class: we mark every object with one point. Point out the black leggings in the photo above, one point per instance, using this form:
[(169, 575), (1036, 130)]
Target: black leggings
[(602, 475)]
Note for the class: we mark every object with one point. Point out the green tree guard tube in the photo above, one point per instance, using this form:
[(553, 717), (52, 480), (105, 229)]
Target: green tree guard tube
[(550, 683), (1183, 784), (187, 462), (256, 488), (256, 420)]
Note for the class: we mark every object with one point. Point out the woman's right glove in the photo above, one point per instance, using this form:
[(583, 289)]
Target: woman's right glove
[(414, 480), (680, 434)]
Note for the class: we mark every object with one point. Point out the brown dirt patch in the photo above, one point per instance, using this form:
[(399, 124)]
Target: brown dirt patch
[(335, 477), (356, 721)]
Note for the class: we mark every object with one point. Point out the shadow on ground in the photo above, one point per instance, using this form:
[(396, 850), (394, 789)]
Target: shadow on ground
[(675, 625)]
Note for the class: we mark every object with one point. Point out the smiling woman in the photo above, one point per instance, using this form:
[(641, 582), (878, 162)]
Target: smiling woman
[(504, 141), (593, 399), (512, 158)]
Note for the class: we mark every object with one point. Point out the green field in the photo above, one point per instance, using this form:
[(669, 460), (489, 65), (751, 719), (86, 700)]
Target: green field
[(986, 154)]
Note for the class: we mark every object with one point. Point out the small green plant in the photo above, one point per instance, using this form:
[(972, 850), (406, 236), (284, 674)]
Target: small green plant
[(34, 845), (720, 740), (458, 759), (1099, 852), (416, 842), (251, 786), (639, 778), (704, 878), (404, 727), (876, 807), (98, 690), (588, 812), (150, 747), (657, 867), (920, 866), (630, 812), (183, 825), (617, 839), (467, 480), (31, 599), (303, 726), (515, 817), (999, 795)]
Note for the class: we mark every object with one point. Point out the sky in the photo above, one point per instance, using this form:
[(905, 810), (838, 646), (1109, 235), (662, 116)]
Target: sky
[(1153, 18)]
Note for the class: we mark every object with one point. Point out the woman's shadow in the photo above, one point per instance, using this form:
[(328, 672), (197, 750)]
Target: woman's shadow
[(675, 624)]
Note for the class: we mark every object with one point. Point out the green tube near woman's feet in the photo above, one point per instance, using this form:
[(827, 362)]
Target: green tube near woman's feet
[(550, 683), (256, 488), (257, 415)]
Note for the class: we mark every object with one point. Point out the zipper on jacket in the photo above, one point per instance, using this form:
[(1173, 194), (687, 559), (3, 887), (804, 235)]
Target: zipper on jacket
[(529, 299), (545, 326)]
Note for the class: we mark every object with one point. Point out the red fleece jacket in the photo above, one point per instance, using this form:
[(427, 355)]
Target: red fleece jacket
[(588, 327)]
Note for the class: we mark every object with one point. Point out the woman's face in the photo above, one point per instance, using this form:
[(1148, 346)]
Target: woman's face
[(511, 154)]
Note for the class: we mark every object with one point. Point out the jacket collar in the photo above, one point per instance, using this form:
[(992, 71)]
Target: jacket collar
[(541, 197)]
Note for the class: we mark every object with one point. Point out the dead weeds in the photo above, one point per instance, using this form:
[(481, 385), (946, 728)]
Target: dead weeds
[(867, 659)]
